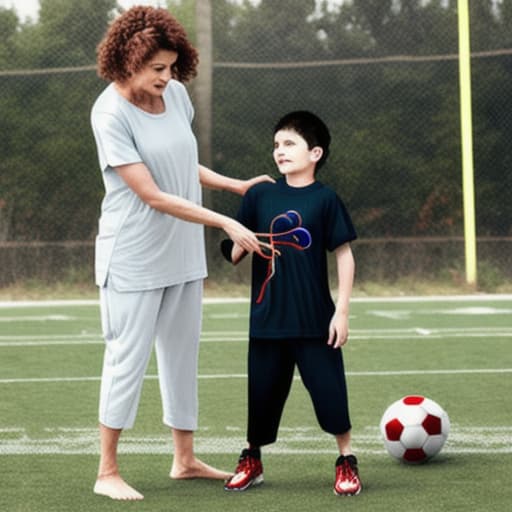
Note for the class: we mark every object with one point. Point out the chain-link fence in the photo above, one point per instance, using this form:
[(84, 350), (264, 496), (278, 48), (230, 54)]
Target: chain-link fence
[(382, 74)]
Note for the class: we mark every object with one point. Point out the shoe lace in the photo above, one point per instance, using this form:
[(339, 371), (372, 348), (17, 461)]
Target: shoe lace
[(246, 464), (346, 472)]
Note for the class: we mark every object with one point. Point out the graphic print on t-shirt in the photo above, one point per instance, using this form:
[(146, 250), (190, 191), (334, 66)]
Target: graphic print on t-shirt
[(285, 230)]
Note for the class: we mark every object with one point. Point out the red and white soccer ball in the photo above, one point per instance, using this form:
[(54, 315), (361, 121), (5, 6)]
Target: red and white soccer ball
[(414, 429)]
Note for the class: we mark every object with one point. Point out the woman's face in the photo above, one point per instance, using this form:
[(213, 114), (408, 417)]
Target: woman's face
[(153, 77)]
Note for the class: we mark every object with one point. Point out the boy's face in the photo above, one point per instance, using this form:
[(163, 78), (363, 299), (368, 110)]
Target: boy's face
[(293, 157)]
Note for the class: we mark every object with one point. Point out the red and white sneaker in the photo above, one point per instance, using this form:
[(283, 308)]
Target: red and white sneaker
[(347, 481), (248, 472)]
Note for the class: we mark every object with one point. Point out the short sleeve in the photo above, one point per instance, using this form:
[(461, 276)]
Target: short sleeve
[(338, 225), (247, 213), (115, 142), (188, 105)]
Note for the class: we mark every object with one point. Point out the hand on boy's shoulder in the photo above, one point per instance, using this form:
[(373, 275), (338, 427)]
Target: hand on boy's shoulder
[(263, 178), (262, 186)]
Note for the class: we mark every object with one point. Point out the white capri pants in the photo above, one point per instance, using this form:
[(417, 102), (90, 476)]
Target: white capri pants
[(131, 322)]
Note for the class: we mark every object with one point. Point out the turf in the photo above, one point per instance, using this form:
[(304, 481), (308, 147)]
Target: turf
[(457, 351)]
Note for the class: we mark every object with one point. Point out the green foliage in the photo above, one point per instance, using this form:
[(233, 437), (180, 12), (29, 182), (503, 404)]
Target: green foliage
[(396, 140), (185, 12), (50, 186), (8, 26), (396, 149), (490, 278)]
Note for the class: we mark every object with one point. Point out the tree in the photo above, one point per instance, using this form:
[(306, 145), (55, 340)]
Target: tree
[(8, 26), (48, 172), (396, 147)]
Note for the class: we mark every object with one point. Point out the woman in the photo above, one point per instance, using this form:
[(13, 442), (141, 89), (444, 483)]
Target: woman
[(150, 258)]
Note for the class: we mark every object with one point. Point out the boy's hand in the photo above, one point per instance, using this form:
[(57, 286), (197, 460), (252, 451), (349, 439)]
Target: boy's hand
[(338, 330)]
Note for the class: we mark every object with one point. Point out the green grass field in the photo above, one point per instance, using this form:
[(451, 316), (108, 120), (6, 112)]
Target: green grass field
[(457, 351)]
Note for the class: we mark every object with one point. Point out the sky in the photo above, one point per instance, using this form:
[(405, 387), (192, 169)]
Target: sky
[(29, 8)]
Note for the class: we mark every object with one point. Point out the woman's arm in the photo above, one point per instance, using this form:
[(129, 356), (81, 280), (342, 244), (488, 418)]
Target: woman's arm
[(139, 179), (216, 181)]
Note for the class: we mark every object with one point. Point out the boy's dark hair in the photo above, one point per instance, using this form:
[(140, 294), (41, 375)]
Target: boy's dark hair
[(310, 127)]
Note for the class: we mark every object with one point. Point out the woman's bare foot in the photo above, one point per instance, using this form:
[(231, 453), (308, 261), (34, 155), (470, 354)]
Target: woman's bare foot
[(197, 469), (116, 488)]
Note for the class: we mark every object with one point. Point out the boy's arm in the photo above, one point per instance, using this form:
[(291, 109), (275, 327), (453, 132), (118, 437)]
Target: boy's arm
[(232, 252), (238, 253), (338, 327)]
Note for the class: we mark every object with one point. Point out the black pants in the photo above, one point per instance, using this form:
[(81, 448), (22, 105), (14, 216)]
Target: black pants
[(271, 365)]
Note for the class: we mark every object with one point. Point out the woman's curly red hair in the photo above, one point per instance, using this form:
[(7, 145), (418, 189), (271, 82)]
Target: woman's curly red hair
[(136, 36)]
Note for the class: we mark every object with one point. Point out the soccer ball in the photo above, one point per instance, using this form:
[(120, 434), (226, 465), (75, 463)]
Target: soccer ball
[(414, 429)]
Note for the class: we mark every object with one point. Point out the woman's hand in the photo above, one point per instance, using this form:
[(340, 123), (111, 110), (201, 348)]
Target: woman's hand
[(245, 185), (215, 181), (242, 236)]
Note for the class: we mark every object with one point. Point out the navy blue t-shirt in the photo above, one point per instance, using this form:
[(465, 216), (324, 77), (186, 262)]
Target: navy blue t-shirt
[(296, 302)]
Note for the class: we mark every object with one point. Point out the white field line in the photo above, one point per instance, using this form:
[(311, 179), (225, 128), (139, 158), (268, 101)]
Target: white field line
[(298, 440), (235, 300), (412, 333), (38, 318), (224, 376)]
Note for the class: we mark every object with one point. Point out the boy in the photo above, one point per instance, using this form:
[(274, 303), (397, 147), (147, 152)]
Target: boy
[(294, 320)]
